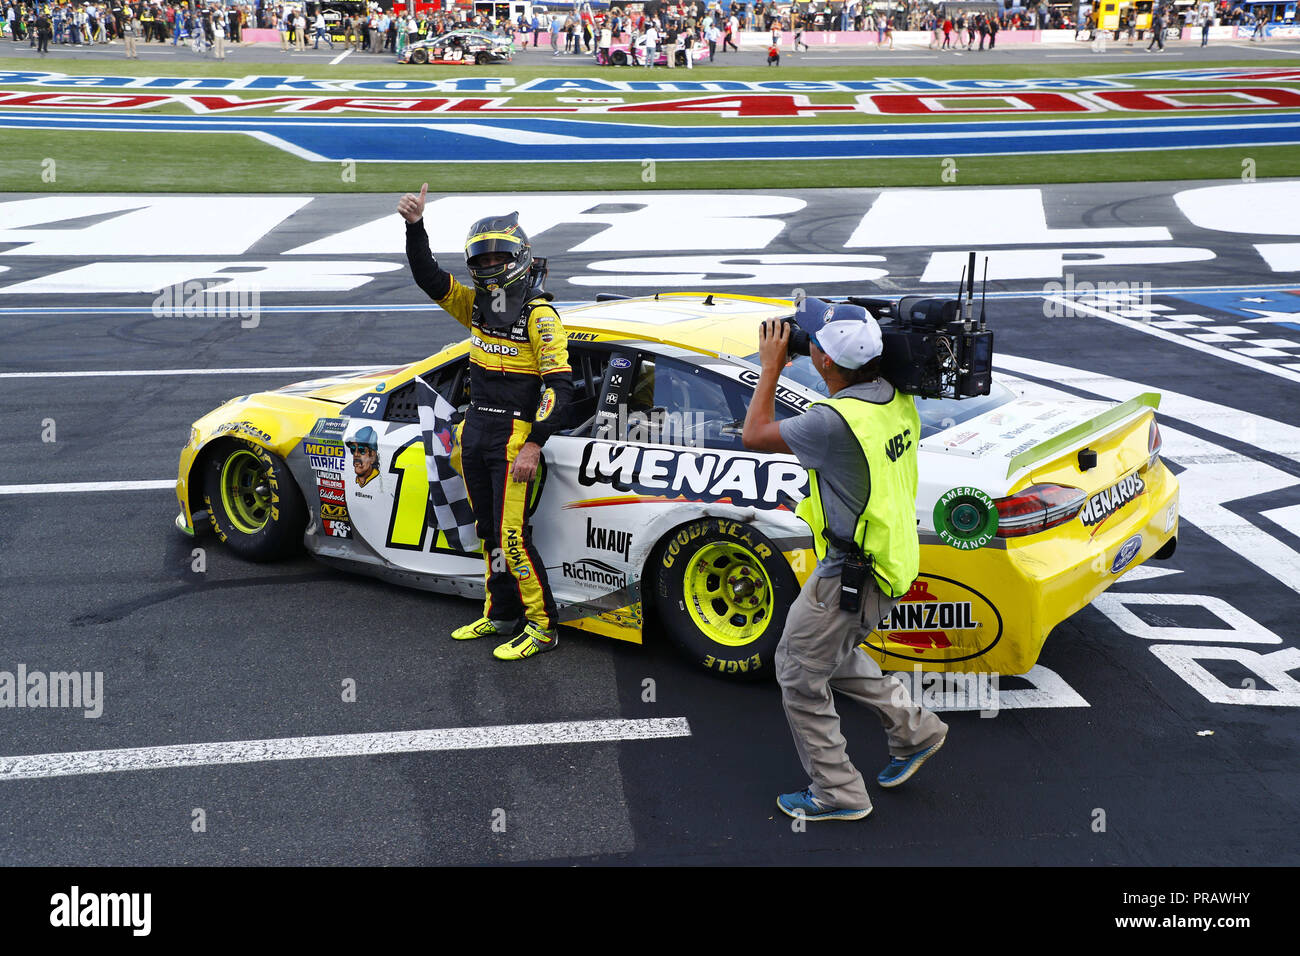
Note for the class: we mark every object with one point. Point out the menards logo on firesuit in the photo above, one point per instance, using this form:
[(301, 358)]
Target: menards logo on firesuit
[(1105, 503), (698, 476)]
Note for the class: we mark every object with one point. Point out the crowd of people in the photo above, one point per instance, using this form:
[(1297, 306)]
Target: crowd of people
[(678, 26), (204, 24)]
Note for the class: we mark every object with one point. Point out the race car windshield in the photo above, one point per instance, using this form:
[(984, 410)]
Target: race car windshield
[(937, 414)]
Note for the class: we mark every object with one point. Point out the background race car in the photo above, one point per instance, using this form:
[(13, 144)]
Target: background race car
[(459, 47), (623, 54), (650, 507)]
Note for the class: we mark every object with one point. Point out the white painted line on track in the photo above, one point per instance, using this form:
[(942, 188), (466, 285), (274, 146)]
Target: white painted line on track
[(340, 58), (66, 487), (128, 373), (1182, 340), (341, 745)]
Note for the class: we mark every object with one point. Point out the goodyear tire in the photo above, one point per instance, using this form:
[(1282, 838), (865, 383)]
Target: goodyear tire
[(679, 57), (721, 590), (618, 58), (253, 502), (482, 59), (420, 56)]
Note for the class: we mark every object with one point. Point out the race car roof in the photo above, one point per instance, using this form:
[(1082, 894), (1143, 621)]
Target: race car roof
[(701, 321)]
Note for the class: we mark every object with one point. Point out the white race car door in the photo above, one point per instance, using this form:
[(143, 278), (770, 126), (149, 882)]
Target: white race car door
[(386, 481)]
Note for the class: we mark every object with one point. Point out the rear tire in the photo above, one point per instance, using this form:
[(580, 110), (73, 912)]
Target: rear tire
[(253, 502), (618, 58), (679, 57), (482, 59), (721, 591)]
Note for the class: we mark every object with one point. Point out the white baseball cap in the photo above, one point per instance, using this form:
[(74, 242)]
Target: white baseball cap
[(852, 342)]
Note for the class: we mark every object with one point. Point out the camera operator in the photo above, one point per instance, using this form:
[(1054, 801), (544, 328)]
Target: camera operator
[(859, 447)]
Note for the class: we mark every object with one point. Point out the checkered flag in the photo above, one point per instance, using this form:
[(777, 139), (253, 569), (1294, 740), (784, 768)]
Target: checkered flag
[(451, 509)]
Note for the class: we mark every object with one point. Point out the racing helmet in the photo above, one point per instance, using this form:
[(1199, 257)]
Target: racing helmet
[(498, 234)]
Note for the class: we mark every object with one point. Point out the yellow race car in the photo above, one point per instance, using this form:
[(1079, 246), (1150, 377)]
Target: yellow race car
[(650, 507)]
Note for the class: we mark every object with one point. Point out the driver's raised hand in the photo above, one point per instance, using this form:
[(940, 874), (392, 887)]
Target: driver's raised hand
[(411, 206)]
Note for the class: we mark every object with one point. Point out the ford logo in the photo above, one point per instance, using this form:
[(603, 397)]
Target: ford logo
[(1127, 552), (619, 362)]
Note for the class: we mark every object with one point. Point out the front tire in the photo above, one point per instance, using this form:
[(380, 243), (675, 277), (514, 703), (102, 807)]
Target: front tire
[(618, 58), (253, 502), (420, 56), (721, 590)]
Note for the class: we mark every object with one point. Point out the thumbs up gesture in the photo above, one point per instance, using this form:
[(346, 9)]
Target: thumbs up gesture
[(411, 206)]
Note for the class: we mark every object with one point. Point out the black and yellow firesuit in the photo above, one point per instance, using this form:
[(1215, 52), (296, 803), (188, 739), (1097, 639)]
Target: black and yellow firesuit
[(520, 391)]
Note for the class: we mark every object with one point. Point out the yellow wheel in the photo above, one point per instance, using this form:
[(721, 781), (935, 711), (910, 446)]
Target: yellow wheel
[(721, 590), (253, 502)]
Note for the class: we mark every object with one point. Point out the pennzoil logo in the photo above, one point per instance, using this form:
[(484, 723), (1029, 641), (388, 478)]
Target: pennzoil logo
[(1106, 502), (940, 615)]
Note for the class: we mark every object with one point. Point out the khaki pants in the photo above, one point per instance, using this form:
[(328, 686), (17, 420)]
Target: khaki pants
[(219, 47), (129, 40), (284, 39), (818, 654)]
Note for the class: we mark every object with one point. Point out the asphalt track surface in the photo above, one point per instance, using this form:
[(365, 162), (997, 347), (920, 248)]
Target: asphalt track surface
[(100, 581)]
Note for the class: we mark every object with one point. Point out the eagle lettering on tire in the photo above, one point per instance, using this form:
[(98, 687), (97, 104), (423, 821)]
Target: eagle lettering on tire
[(721, 592)]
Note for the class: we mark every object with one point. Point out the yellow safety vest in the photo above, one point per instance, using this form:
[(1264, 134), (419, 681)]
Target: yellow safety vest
[(886, 529)]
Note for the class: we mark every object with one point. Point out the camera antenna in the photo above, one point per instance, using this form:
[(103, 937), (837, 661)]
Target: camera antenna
[(969, 273), (984, 293)]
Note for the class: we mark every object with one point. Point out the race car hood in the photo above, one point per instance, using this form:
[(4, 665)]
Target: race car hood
[(344, 387)]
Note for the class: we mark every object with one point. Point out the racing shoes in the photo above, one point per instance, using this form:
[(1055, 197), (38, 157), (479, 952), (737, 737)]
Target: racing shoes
[(483, 627), (900, 769), (804, 805), (532, 641)]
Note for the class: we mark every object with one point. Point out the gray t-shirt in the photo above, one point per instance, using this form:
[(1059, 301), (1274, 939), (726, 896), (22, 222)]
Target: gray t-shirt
[(820, 439)]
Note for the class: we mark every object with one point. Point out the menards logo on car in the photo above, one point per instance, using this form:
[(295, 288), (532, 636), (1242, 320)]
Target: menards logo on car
[(1105, 503), (696, 476)]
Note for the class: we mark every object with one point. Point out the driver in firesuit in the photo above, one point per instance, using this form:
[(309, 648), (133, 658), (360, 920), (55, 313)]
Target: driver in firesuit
[(520, 392)]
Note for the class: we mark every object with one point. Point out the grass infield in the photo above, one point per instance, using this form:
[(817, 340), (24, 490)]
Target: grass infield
[(80, 161)]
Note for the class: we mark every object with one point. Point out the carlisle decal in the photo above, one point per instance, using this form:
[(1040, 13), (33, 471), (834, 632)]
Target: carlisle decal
[(695, 476), (1106, 502), (784, 395), (940, 619)]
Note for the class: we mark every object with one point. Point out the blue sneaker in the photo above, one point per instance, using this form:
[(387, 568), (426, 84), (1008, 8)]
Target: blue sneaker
[(804, 804), (900, 769)]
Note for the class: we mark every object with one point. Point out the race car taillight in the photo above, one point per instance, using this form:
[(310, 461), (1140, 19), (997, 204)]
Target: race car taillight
[(1036, 509), (1154, 443)]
